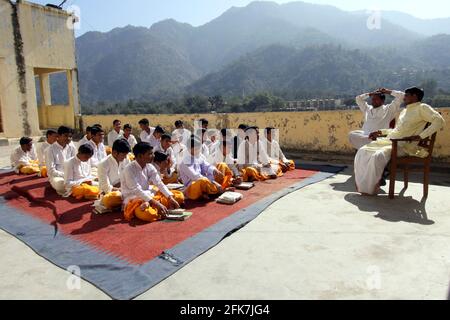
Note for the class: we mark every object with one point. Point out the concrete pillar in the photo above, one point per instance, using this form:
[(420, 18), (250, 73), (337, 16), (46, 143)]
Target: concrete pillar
[(46, 93), (70, 116)]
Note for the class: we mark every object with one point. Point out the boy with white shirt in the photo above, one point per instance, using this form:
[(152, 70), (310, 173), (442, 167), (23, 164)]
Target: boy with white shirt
[(145, 195), (147, 131), (51, 137), (109, 171), (181, 132), (200, 178), (96, 142), (55, 156), (127, 135), (225, 163), (86, 138), (115, 133), (78, 180), (377, 116), (164, 146), (24, 159), (155, 138), (253, 159), (276, 155)]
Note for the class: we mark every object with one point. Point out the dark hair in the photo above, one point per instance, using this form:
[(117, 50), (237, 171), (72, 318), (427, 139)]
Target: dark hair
[(224, 132), (86, 149), (144, 122), (127, 126), (97, 125), (159, 129), (382, 96), (243, 126), (269, 130), (160, 157), (96, 130), (64, 130), (121, 146), (414, 91), (142, 148), (252, 128), (178, 123), (25, 140), (194, 142), (115, 122), (204, 121), (50, 132), (166, 136)]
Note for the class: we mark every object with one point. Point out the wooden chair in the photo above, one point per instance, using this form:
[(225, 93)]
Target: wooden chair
[(404, 163)]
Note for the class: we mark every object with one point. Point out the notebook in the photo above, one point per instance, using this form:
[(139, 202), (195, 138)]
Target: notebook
[(245, 186), (175, 186), (229, 198), (178, 215)]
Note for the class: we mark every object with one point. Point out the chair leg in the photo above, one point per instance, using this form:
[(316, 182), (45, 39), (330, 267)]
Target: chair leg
[(426, 180), (406, 177), (392, 180)]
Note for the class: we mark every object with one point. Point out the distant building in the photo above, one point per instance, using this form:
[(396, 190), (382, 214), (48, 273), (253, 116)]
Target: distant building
[(35, 42)]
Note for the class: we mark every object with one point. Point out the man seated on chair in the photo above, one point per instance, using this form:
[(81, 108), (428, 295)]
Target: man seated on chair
[(200, 178), (372, 159), (376, 116), (51, 137), (78, 181), (115, 133), (145, 195), (96, 142), (253, 159), (109, 171), (225, 163), (171, 176), (276, 155), (55, 156), (24, 159), (127, 135)]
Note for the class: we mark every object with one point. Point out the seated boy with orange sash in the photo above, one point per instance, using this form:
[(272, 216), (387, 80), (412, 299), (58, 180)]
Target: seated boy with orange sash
[(276, 155), (225, 163), (145, 195), (109, 171), (78, 181), (24, 159), (200, 178)]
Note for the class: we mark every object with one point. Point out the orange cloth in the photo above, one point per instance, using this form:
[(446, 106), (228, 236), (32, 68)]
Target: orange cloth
[(85, 191), (131, 157), (108, 150), (172, 179), (151, 214), (200, 187), (251, 174), (227, 181), (30, 169), (44, 172), (112, 200)]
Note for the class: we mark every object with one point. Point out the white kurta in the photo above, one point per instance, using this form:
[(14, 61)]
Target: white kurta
[(83, 140), (183, 134), (273, 150), (145, 136), (113, 136), (228, 160), (41, 152), (76, 172), (131, 141), (21, 158), (99, 153), (180, 152), (171, 156), (371, 160), (256, 157), (195, 168), (55, 156), (374, 118), (109, 173), (154, 142), (137, 183)]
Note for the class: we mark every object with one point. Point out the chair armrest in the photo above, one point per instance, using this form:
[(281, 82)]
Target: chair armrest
[(405, 140)]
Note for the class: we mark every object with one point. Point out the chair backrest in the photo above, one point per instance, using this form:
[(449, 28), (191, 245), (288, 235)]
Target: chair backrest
[(429, 142)]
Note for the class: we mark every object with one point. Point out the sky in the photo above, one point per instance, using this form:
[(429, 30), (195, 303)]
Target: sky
[(104, 15)]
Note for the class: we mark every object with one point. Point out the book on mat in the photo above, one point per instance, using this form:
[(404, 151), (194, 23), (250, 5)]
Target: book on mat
[(175, 186), (245, 186), (229, 198), (178, 216)]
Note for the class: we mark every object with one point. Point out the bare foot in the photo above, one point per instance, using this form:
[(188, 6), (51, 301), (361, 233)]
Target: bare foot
[(231, 189)]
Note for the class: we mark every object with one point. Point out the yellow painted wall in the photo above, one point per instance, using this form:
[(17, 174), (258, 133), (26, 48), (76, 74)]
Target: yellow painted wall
[(55, 116), (47, 43), (325, 131)]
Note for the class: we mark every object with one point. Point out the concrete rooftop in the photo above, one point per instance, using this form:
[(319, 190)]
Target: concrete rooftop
[(322, 242)]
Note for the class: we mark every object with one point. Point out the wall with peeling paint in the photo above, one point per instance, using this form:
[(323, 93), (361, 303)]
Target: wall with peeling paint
[(324, 131), (31, 37)]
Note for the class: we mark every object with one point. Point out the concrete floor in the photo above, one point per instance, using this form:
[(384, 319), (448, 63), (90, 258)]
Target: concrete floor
[(322, 242)]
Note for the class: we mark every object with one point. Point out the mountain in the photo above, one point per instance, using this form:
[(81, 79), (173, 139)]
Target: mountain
[(427, 27), (171, 58)]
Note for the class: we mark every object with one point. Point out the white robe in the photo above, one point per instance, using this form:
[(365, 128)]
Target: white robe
[(371, 160), (109, 173), (113, 136), (76, 172), (55, 156), (21, 158), (374, 118)]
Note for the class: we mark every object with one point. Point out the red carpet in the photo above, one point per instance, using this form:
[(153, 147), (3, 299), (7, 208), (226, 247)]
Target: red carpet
[(134, 242)]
